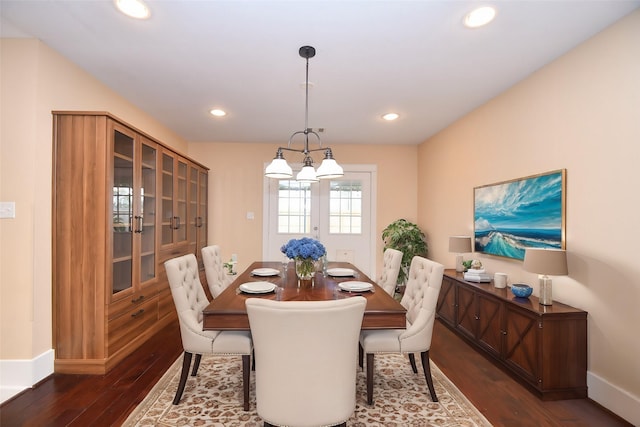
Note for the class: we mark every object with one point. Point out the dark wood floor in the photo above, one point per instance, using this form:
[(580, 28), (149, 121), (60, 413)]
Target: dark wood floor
[(80, 400)]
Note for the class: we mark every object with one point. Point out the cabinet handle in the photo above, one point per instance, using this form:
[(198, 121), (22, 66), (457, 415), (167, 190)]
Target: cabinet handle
[(135, 300), (477, 318), (138, 224), (137, 313), (176, 221), (198, 221), (504, 332)]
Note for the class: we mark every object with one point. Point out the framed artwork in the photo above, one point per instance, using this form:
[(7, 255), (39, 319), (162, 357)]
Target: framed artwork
[(527, 212)]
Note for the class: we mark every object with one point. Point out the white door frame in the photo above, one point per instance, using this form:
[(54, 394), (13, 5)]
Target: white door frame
[(373, 169)]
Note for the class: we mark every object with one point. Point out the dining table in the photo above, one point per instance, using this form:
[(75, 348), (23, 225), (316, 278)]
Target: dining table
[(278, 281)]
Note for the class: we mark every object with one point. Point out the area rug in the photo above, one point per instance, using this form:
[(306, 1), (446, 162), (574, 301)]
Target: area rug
[(214, 398)]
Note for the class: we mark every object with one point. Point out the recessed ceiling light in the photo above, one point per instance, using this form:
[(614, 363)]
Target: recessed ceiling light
[(390, 116), (133, 8), (479, 17), (218, 113)]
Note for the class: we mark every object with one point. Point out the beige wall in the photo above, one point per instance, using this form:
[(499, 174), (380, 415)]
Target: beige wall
[(582, 113), (578, 113), (236, 187), (34, 81)]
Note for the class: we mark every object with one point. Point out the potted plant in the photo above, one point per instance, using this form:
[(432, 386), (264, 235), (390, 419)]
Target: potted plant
[(406, 237)]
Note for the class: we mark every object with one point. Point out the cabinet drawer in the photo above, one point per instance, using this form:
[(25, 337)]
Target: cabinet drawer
[(123, 305), (127, 327)]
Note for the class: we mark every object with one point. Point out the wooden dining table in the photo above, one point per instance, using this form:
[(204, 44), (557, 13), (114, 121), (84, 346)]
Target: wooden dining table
[(227, 312)]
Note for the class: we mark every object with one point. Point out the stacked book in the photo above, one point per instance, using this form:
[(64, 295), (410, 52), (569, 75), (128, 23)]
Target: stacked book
[(476, 275)]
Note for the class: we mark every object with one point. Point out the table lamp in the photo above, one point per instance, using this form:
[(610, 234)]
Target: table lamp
[(459, 245), (545, 262)]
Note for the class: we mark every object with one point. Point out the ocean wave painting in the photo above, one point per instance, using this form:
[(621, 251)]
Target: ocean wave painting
[(524, 213)]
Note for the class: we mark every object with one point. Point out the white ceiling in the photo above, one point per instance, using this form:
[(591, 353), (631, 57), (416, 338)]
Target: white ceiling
[(412, 57)]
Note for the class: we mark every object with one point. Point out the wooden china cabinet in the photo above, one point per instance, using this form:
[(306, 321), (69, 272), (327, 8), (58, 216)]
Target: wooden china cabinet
[(119, 210), (545, 347)]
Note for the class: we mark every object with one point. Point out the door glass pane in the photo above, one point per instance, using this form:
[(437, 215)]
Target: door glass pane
[(122, 211), (345, 207), (294, 207), (147, 218)]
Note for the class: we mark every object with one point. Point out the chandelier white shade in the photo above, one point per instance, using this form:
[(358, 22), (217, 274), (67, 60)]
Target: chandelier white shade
[(280, 169)]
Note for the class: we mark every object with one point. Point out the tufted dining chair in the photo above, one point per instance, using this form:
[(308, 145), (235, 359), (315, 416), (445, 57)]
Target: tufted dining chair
[(305, 354), (190, 299), (217, 278), (419, 299), (391, 263)]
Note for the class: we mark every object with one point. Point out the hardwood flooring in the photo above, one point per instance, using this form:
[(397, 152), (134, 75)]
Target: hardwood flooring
[(106, 400)]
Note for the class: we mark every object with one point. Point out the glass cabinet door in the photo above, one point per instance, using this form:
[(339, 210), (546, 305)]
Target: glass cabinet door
[(122, 211), (146, 218), (180, 223), (201, 222), (167, 199), (193, 210)]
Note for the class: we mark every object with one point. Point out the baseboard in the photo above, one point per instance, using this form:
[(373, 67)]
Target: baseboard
[(615, 399), (19, 375)]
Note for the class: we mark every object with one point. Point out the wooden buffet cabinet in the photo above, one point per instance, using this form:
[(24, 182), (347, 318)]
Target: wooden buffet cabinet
[(544, 347), (123, 203)]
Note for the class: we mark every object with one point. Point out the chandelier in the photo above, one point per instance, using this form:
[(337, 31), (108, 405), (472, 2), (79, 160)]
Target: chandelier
[(279, 168)]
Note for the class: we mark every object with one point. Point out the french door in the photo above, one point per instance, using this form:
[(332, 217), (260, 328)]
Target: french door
[(338, 212)]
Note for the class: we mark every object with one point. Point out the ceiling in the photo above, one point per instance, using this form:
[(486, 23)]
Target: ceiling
[(411, 57)]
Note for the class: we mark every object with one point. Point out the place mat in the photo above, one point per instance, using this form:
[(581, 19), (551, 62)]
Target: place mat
[(214, 398)]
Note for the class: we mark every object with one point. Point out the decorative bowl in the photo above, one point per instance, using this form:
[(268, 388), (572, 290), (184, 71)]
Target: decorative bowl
[(521, 290)]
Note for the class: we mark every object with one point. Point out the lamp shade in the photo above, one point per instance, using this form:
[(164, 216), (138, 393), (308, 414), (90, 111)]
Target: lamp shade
[(278, 168), (329, 168), (546, 261), (460, 244)]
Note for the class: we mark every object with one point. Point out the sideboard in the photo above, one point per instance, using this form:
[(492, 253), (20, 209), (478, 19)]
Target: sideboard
[(544, 347)]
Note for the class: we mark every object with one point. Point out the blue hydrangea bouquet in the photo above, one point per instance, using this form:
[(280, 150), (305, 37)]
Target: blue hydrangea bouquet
[(305, 252)]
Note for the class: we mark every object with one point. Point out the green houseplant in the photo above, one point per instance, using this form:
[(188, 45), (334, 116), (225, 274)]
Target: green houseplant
[(406, 237)]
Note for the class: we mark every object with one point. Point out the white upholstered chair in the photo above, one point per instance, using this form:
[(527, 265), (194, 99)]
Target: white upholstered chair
[(419, 299), (217, 278), (306, 359), (190, 300), (391, 263)]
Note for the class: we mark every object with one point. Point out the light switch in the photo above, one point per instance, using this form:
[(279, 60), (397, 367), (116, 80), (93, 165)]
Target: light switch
[(7, 209), (250, 215)]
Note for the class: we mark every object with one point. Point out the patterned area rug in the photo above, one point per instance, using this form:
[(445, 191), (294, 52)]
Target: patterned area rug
[(214, 398)]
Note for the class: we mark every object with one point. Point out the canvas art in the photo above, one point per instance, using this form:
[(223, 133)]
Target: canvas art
[(522, 213)]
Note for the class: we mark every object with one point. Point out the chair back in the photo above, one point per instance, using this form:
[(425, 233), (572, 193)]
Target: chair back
[(306, 357), (217, 278), (391, 263), (420, 299), (190, 299)]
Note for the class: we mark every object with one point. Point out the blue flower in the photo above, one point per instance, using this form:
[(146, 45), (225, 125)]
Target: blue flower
[(303, 248)]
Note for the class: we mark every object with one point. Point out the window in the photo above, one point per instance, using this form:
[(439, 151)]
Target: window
[(345, 207), (294, 207)]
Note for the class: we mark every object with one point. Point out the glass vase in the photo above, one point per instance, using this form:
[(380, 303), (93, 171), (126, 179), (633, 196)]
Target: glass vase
[(305, 269)]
